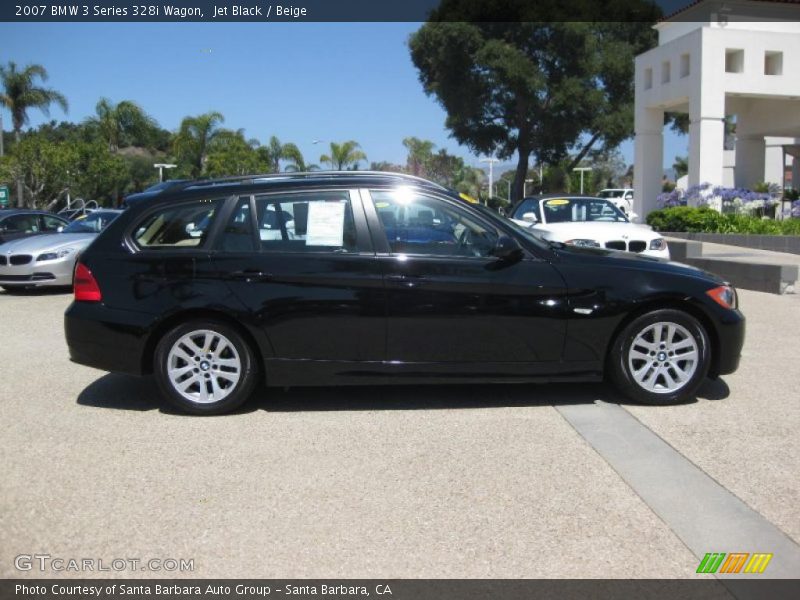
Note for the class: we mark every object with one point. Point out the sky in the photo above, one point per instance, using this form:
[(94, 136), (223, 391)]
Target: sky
[(299, 81)]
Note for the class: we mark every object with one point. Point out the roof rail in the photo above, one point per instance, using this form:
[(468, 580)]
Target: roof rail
[(200, 183)]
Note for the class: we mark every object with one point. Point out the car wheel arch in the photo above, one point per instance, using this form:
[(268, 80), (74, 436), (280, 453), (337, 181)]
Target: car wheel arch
[(194, 314), (680, 304)]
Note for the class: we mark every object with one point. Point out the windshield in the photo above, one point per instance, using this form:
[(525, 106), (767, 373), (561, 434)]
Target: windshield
[(580, 210), (611, 193), (94, 223)]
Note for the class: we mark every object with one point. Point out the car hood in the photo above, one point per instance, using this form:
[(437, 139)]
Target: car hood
[(597, 230), (47, 243), (631, 260)]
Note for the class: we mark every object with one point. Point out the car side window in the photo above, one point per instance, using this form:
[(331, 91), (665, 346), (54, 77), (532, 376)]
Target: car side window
[(238, 233), (21, 223), (306, 222), (423, 225), (181, 226), (52, 224)]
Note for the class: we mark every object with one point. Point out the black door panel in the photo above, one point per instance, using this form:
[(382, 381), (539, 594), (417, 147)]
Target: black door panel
[(468, 310), (311, 306)]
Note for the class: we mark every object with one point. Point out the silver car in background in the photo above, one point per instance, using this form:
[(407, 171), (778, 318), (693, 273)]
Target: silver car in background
[(49, 260)]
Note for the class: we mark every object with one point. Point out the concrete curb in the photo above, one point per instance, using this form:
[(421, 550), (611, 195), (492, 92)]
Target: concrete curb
[(774, 243), (761, 277)]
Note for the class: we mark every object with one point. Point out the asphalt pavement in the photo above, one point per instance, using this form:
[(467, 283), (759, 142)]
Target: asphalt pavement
[(426, 481)]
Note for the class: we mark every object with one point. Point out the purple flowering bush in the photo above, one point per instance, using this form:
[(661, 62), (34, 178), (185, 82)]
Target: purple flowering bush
[(730, 199)]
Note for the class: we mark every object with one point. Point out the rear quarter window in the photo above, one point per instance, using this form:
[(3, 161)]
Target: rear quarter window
[(180, 226)]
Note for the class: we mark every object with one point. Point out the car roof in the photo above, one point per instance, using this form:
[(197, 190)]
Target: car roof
[(278, 181)]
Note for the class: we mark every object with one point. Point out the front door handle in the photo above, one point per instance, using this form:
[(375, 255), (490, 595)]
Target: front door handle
[(249, 275)]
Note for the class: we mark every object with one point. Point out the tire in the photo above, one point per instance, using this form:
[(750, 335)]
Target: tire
[(205, 367), (642, 367)]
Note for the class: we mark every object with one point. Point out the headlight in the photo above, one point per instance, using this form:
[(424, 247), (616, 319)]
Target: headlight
[(55, 255), (658, 244), (583, 243), (724, 295)]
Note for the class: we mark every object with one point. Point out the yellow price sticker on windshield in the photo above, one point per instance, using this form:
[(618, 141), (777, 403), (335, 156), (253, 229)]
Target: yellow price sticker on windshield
[(557, 202), (381, 205)]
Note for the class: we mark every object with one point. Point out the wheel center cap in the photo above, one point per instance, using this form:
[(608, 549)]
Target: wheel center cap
[(205, 366), (662, 356)]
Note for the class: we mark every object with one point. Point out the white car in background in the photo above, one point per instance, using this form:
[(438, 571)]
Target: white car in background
[(622, 198), (588, 222)]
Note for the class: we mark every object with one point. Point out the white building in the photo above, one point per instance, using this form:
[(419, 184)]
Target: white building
[(718, 58)]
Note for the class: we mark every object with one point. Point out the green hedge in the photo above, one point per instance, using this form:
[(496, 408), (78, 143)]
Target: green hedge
[(707, 220)]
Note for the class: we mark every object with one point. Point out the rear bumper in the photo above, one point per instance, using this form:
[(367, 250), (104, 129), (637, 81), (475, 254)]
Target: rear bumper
[(106, 339), (731, 332)]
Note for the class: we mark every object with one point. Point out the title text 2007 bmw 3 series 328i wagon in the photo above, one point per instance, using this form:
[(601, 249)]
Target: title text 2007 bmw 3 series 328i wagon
[(370, 278)]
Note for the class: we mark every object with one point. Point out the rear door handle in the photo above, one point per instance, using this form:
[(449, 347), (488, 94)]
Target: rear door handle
[(249, 275), (406, 281)]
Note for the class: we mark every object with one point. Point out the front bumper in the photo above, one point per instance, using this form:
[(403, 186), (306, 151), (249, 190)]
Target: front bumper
[(51, 273), (730, 333)]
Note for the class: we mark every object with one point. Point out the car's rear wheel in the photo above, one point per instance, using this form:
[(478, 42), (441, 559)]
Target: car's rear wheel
[(205, 367), (661, 357)]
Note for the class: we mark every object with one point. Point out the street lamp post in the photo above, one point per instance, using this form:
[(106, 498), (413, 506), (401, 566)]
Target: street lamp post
[(161, 167), (525, 187), (582, 169), (491, 160)]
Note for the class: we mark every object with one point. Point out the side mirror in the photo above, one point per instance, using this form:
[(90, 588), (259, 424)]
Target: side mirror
[(633, 217), (530, 217), (506, 248)]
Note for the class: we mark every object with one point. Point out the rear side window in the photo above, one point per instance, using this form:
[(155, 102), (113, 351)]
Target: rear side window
[(306, 222), (182, 226)]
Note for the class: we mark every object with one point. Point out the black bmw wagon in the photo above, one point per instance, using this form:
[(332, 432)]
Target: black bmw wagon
[(349, 278)]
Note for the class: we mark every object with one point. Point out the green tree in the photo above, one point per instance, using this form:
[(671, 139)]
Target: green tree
[(20, 94), (534, 84), (191, 144), (344, 156), (419, 155), (49, 170), (122, 124), (231, 154), (385, 165), (444, 168), (274, 152), (470, 180), (680, 166)]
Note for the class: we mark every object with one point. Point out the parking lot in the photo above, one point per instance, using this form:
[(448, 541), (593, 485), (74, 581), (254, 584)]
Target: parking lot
[(452, 481)]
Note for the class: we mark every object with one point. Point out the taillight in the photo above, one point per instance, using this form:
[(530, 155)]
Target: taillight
[(85, 285), (723, 295)]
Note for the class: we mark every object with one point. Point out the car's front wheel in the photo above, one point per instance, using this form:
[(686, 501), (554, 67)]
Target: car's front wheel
[(205, 367), (661, 357)]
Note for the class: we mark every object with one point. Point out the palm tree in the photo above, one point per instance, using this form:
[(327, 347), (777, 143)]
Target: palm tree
[(343, 156), (419, 153), (193, 139), (122, 122), (20, 93), (274, 152)]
